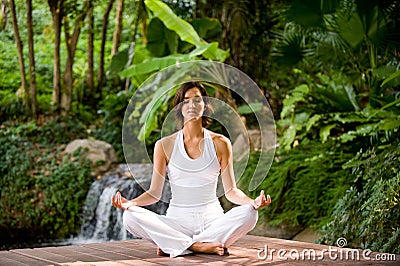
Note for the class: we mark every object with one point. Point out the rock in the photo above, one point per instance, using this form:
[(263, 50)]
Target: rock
[(255, 139), (100, 153), (243, 144), (240, 148)]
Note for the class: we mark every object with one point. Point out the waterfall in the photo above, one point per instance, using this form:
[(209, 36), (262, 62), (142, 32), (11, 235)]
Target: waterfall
[(103, 222)]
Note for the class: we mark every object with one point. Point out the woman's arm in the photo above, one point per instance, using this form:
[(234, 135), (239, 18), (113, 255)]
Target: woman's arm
[(153, 194), (232, 192)]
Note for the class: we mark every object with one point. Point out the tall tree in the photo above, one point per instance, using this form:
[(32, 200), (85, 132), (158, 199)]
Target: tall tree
[(118, 27), (32, 65), (56, 9), (140, 16), (90, 54), (71, 41), (3, 14), (19, 45), (103, 45)]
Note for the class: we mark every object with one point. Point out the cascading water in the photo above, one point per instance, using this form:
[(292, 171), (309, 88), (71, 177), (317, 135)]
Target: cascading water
[(101, 221)]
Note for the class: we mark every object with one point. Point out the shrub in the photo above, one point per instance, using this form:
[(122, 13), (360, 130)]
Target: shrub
[(41, 189), (368, 215), (304, 183), (11, 106)]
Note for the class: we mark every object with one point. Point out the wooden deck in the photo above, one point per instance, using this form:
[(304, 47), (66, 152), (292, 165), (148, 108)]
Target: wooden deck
[(247, 251)]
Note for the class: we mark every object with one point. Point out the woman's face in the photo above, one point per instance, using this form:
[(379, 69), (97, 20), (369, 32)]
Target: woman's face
[(192, 105)]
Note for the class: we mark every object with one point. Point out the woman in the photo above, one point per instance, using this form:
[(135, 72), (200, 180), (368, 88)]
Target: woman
[(194, 158)]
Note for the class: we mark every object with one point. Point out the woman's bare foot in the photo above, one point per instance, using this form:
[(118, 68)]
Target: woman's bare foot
[(208, 247), (161, 253)]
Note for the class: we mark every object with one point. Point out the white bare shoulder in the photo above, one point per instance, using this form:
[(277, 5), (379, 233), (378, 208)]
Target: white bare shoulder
[(216, 137), (167, 145), (222, 143)]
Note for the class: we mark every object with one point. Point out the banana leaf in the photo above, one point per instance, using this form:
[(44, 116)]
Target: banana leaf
[(185, 31), (157, 63)]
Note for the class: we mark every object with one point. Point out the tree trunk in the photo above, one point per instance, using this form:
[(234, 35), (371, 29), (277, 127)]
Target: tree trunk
[(19, 45), (90, 78), (32, 65), (118, 27), (103, 44), (131, 53), (56, 8), (143, 15), (66, 93), (71, 42), (4, 14)]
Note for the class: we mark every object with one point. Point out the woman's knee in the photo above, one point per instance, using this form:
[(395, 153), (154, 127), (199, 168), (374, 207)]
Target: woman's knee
[(129, 217), (251, 213), (248, 215)]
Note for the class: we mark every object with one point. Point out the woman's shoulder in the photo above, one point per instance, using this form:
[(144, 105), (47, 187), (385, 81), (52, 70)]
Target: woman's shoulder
[(219, 140), (168, 138), (167, 143)]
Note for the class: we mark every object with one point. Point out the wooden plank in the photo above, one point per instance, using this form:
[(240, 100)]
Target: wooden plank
[(109, 263), (20, 259), (121, 254), (85, 254), (36, 255), (44, 254), (147, 251), (134, 252), (7, 261)]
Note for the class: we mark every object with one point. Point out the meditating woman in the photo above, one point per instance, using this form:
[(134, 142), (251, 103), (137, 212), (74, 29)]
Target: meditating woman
[(194, 157)]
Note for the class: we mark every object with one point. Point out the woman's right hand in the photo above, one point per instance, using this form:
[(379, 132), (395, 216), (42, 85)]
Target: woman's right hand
[(120, 202)]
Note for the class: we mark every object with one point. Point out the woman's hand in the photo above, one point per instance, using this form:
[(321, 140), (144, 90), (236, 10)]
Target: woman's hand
[(120, 202), (261, 201)]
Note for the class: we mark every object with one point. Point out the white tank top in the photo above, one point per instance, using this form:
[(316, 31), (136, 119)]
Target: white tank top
[(194, 181)]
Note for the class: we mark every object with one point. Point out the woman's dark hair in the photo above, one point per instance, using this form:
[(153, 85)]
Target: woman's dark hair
[(180, 96)]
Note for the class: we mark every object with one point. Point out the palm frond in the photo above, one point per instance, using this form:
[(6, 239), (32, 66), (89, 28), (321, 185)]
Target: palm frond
[(290, 48)]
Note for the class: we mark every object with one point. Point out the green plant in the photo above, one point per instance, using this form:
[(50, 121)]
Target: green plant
[(63, 186), (112, 111), (42, 190), (327, 107), (11, 106), (50, 132), (347, 35), (368, 215), (304, 183)]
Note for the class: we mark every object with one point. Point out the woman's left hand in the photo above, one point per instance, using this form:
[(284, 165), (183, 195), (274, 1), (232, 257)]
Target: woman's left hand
[(261, 201), (120, 202)]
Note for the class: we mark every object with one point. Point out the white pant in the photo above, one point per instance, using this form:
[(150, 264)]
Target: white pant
[(175, 232)]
